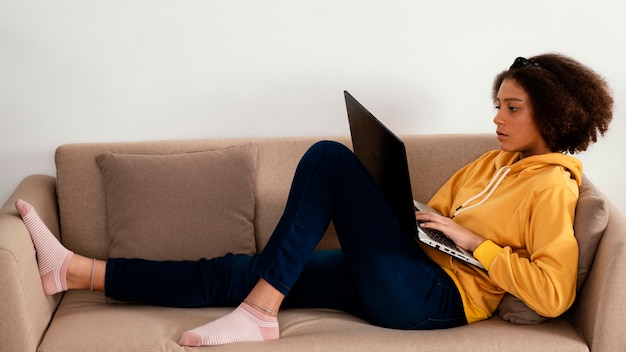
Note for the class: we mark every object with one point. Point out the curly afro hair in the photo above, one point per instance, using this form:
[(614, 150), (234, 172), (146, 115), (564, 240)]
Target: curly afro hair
[(571, 103)]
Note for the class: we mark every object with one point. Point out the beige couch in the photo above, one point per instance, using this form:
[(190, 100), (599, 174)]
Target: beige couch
[(78, 209)]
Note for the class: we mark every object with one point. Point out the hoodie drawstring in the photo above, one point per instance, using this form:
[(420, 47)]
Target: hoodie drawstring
[(499, 176)]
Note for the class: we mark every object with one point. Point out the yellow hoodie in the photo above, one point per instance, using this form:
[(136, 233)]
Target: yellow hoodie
[(525, 211)]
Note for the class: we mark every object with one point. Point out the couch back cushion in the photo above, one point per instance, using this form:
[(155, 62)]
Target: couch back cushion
[(112, 199), (591, 219), (82, 198), (168, 207)]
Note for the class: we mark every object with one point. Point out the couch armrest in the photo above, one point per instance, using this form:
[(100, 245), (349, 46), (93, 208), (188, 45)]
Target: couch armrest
[(599, 313), (25, 311)]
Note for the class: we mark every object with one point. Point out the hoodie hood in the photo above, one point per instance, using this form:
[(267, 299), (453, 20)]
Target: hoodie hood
[(536, 163), (506, 163)]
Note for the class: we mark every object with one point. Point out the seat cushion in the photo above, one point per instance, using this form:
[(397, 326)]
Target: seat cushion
[(84, 322)]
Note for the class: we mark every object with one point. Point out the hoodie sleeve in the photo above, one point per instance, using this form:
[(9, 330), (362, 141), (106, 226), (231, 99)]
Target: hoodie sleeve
[(545, 277)]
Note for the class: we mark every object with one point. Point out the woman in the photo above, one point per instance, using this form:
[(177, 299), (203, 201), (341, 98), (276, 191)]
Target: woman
[(513, 208)]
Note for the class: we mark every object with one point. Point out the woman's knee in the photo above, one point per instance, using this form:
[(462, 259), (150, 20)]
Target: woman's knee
[(327, 148)]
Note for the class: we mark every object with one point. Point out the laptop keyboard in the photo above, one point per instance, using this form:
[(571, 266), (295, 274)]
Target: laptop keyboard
[(438, 236)]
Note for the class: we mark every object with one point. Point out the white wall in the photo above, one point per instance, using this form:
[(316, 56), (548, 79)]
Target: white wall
[(87, 71)]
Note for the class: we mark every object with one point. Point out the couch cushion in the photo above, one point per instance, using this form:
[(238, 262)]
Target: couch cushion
[(180, 206), (589, 223), (592, 217), (84, 322)]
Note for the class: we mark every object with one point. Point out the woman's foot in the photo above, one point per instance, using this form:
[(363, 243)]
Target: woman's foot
[(52, 258), (244, 324)]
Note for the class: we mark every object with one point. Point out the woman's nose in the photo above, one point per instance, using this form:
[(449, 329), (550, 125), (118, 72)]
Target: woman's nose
[(498, 119)]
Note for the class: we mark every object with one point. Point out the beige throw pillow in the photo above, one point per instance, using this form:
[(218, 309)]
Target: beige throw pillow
[(180, 207), (589, 223)]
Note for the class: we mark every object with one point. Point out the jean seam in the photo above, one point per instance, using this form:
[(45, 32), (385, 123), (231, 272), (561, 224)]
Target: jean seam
[(277, 284)]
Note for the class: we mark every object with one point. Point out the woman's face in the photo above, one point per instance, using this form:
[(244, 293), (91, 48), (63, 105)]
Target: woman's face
[(516, 127)]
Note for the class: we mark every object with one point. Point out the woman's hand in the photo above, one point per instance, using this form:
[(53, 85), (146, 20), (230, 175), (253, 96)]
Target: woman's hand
[(463, 237)]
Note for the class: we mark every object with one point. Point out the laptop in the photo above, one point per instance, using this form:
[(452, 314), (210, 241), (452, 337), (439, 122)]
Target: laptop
[(383, 154)]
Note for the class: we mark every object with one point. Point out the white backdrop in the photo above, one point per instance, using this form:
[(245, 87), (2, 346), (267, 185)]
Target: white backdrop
[(100, 71)]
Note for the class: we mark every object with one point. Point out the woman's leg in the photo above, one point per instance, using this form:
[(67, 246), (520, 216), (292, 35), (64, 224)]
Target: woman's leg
[(398, 285), (218, 282), (330, 183), (226, 281)]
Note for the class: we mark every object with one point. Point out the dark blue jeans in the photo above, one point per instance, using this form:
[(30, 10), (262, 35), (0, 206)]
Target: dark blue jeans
[(379, 274)]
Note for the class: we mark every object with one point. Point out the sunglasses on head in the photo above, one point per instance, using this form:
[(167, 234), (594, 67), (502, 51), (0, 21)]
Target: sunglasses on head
[(523, 62)]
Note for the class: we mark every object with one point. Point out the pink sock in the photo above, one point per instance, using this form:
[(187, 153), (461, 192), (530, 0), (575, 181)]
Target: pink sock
[(244, 324), (52, 258)]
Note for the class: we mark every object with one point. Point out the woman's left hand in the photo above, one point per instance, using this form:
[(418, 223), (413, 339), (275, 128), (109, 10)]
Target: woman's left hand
[(463, 237)]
